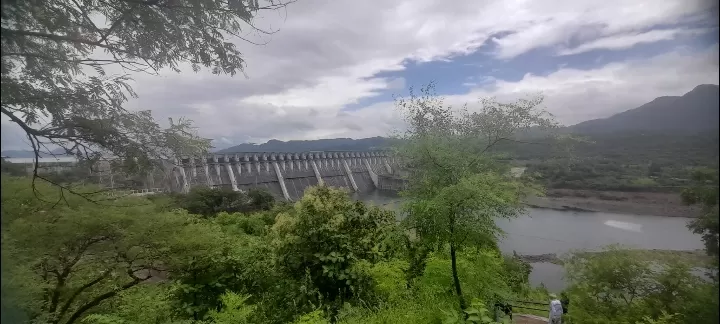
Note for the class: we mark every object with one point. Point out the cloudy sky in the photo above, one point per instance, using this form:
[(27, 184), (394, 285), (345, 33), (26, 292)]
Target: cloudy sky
[(333, 67)]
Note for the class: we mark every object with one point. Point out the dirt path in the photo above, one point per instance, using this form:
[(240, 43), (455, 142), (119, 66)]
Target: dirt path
[(529, 319)]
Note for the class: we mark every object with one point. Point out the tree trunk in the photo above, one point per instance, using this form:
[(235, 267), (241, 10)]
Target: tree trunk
[(456, 279)]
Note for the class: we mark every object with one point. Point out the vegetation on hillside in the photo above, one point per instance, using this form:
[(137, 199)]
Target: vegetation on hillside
[(324, 259), (704, 192), (621, 162), (220, 256), (12, 169), (617, 287)]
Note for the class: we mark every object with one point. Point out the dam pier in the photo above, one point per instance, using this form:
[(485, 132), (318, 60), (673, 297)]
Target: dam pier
[(287, 175)]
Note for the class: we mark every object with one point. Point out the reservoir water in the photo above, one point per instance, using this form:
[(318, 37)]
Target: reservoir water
[(542, 231)]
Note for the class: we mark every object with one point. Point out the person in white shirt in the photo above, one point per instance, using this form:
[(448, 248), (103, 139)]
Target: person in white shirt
[(556, 310)]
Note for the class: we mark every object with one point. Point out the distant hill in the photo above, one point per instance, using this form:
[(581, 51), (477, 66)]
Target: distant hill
[(334, 144), (693, 112)]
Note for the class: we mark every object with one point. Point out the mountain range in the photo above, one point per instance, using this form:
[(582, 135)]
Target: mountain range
[(694, 112)]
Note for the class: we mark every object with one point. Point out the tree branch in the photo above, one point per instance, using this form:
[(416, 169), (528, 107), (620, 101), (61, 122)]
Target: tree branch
[(99, 299), (78, 291), (117, 22), (67, 268)]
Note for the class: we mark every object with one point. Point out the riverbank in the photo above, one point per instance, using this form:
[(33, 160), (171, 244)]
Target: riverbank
[(638, 203), (696, 258)]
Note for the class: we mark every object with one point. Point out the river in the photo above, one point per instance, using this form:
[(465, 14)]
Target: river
[(542, 231)]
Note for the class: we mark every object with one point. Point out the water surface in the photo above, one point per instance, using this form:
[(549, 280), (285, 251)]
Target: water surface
[(543, 231)]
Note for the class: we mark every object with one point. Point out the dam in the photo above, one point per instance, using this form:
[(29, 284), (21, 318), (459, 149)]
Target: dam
[(287, 175)]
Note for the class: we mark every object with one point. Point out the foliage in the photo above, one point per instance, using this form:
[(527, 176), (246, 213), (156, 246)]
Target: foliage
[(234, 310), (257, 223), (315, 317), (388, 279), (432, 295), (202, 281), (417, 253), (324, 237), (75, 174), (12, 169), (131, 307), (56, 88), (620, 162), (477, 313), (665, 318), (66, 260), (616, 287), (324, 259), (245, 264), (260, 199), (516, 273), (705, 192), (457, 187), (481, 270), (209, 202)]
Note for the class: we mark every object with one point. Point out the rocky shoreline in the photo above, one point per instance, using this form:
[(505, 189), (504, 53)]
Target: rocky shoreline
[(638, 203)]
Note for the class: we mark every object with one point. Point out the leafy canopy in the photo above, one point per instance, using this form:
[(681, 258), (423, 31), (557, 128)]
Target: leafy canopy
[(67, 261), (326, 236), (457, 184), (455, 179), (704, 192), (209, 202), (65, 69), (620, 286)]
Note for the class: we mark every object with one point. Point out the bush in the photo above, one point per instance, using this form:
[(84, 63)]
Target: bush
[(619, 286), (210, 201), (12, 169), (87, 252), (325, 237)]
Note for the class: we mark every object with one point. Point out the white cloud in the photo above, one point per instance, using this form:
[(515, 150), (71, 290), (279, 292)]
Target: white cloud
[(330, 54), (575, 95), (548, 23), (572, 95), (624, 41)]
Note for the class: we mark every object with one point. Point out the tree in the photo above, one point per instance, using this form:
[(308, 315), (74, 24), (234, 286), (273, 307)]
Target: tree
[(704, 192), (240, 264), (325, 237), (55, 86), (457, 187), (209, 202), (12, 169), (64, 262), (622, 286)]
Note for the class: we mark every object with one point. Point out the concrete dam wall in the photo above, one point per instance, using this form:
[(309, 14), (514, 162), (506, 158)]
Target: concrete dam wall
[(287, 175)]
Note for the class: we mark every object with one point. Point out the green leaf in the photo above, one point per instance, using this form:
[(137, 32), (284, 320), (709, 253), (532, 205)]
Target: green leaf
[(474, 318)]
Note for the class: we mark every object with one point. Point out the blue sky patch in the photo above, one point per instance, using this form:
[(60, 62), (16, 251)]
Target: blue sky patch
[(457, 75)]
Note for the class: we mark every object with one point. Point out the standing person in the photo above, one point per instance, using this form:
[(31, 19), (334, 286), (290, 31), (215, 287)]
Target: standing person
[(556, 310)]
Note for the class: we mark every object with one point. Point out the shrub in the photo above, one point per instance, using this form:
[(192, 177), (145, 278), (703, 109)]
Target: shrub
[(210, 201), (325, 236)]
